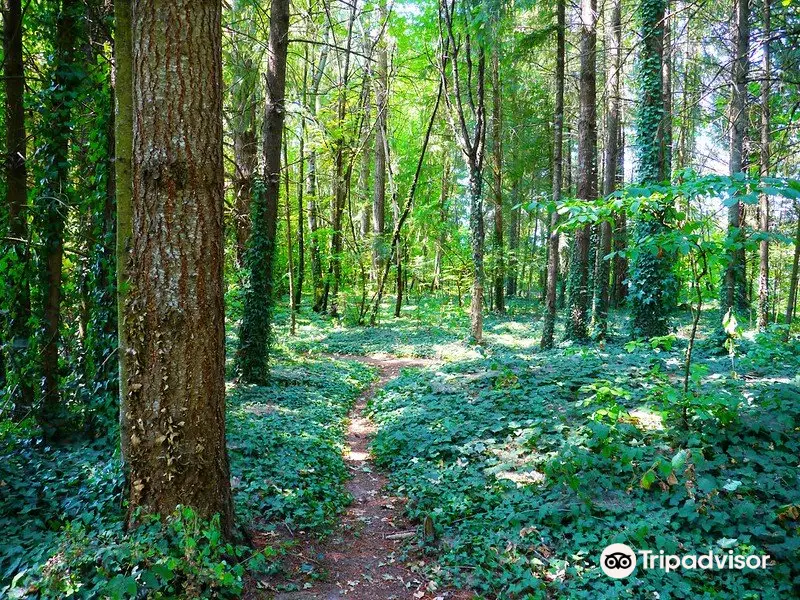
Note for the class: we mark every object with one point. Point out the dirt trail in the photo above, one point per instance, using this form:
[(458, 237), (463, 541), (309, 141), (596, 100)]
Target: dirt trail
[(360, 561)]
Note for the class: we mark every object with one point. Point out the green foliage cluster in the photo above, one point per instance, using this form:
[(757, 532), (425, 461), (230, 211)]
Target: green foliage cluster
[(256, 329), (286, 442), (528, 475), (63, 514)]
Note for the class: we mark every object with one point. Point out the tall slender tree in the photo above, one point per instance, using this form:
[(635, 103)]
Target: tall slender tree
[(610, 160), (651, 272), (174, 429), (497, 168), (54, 203), (577, 323), (467, 110), (553, 254), (381, 147), (734, 287), (16, 173), (763, 208), (256, 329)]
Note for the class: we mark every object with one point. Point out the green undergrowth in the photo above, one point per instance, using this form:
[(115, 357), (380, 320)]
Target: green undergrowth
[(286, 442), (529, 464), (62, 512)]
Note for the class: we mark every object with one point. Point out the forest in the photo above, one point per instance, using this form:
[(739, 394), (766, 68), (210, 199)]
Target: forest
[(388, 300)]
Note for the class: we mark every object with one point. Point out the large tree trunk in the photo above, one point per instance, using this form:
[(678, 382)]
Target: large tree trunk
[(763, 278), (610, 161), (735, 296), (553, 253), (256, 330), (19, 304), (56, 202), (174, 427), (497, 141), (123, 149), (651, 272), (577, 326)]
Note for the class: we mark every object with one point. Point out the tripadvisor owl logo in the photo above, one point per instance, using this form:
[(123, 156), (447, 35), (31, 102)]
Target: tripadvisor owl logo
[(618, 561)]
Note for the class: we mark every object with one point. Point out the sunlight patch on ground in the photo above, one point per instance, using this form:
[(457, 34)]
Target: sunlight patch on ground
[(454, 352), (352, 456), (522, 478), (646, 419)]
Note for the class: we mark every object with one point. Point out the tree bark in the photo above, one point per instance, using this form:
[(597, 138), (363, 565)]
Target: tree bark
[(763, 208), (56, 202), (735, 296), (381, 128), (553, 254), (577, 325), (256, 329), (16, 171), (123, 150), (651, 272), (620, 263), (610, 161), (497, 141), (175, 423)]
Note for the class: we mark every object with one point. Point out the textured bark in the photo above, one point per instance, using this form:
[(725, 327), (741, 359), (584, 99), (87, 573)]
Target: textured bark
[(763, 208), (553, 241), (16, 172), (577, 325), (666, 82), (610, 161), (463, 105), (652, 280), (56, 203), (245, 150), (123, 148), (381, 127), (312, 187), (497, 141), (620, 238), (174, 429), (734, 294)]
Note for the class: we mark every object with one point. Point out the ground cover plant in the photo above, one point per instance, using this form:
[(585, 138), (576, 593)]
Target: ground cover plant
[(417, 300), (63, 516), (528, 475)]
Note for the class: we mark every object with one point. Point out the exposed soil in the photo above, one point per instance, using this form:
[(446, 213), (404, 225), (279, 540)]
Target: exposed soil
[(362, 559)]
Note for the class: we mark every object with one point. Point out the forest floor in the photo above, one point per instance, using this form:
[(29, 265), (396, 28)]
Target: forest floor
[(363, 559), (504, 469)]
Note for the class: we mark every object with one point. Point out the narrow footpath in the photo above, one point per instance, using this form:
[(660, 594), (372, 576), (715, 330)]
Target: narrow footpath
[(361, 559)]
